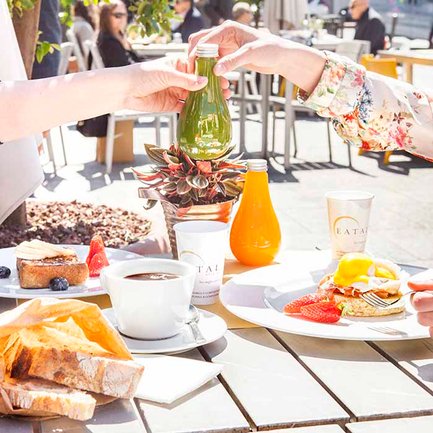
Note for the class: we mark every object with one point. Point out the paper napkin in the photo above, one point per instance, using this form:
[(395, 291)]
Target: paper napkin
[(167, 378)]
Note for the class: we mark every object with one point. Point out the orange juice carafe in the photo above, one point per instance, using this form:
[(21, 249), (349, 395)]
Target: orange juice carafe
[(255, 236)]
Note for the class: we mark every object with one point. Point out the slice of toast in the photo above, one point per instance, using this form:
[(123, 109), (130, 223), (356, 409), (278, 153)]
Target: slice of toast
[(43, 396), (37, 274), (42, 352)]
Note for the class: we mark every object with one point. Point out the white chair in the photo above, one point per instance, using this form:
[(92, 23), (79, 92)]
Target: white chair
[(97, 63), (81, 63), (66, 49), (353, 49), (250, 84)]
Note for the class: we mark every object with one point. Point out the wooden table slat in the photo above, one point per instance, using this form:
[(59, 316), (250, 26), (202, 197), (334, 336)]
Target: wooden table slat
[(422, 424), (269, 383), (330, 428), (120, 416), (415, 357), (363, 380), (208, 409)]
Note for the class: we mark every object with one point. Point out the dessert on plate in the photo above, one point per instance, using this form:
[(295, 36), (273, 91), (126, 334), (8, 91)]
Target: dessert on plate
[(38, 263)]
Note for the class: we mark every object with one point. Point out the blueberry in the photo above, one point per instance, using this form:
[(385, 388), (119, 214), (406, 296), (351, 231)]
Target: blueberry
[(59, 284), (5, 272)]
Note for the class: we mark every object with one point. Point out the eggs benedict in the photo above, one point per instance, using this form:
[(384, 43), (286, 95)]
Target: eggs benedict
[(358, 273)]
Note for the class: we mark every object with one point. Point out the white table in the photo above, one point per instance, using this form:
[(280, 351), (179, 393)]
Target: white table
[(159, 50), (283, 383)]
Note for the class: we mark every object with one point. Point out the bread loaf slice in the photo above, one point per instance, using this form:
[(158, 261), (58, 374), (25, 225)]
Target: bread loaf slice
[(37, 274), (43, 396), (41, 352)]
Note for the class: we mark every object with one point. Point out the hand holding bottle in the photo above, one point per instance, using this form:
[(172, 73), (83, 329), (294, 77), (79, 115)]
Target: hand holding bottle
[(262, 52)]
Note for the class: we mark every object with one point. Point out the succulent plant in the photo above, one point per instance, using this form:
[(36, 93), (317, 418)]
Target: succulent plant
[(187, 182)]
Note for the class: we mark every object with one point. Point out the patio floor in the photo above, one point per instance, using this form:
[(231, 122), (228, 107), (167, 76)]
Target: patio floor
[(401, 226)]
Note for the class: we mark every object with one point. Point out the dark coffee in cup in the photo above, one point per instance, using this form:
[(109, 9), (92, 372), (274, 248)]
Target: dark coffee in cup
[(152, 276)]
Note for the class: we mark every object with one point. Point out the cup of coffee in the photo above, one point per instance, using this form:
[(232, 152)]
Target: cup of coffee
[(348, 214), (150, 297)]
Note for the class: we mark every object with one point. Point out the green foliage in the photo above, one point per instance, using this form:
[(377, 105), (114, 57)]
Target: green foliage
[(152, 16), (43, 48), (17, 7)]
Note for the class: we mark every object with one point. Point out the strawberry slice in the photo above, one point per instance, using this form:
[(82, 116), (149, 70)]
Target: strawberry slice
[(97, 263), (312, 298), (96, 246), (323, 312)]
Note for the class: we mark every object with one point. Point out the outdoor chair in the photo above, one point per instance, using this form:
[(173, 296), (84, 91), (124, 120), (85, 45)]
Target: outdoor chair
[(122, 115), (353, 49), (386, 67), (81, 63), (250, 84), (66, 49), (295, 106)]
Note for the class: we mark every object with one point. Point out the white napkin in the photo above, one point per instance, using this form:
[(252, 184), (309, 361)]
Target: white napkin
[(167, 378)]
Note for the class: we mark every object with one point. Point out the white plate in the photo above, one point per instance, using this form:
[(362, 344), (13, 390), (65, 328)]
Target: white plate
[(258, 296), (10, 287), (211, 326)]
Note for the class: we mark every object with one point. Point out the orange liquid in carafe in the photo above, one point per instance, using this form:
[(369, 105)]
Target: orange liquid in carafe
[(255, 236)]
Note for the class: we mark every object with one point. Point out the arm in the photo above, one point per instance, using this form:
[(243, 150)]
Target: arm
[(377, 32), (28, 107), (369, 110)]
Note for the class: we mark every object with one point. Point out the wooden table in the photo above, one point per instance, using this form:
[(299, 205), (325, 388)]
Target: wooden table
[(283, 383), (409, 58)]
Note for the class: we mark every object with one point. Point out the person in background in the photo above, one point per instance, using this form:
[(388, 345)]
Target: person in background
[(242, 13), (192, 19), (84, 23), (112, 43), (49, 26), (218, 11), (369, 25)]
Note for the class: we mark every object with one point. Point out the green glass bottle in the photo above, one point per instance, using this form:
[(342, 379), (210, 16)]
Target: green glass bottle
[(204, 130)]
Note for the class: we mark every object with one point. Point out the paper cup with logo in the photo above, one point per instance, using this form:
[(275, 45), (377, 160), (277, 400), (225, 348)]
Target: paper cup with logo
[(348, 214), (203, 244)]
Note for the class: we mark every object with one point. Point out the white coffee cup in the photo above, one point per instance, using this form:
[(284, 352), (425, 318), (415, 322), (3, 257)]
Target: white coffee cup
[(204, 245), (149, 309), (348, 214)]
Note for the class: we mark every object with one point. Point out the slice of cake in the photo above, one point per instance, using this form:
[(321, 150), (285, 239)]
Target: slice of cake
[(39, 262)]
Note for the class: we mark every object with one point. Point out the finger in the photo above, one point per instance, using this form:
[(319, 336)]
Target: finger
[(421, 281), (185, 81), (422, 302), (225, 84), (235, 60), (195, 37), (227, 93), (425, 319)]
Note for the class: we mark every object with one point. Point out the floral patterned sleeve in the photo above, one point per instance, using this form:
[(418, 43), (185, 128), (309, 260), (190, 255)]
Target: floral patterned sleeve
[(373, 111)]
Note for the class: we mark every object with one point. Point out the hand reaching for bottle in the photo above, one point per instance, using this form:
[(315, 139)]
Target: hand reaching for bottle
[(162, 85), (260, 51)]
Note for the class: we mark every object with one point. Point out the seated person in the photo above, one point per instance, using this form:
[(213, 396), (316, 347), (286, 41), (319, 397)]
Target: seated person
[(192, 19), (369, 26), (113, 45), (242, 13)]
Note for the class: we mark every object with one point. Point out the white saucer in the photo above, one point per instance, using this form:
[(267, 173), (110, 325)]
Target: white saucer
[(10, 287), (211, 326)]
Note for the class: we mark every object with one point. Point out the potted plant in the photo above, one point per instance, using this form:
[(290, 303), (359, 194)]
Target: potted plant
[(188, 189)]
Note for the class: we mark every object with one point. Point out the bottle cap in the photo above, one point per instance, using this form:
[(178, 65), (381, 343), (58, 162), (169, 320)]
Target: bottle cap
[(207, 50), (257, 165)]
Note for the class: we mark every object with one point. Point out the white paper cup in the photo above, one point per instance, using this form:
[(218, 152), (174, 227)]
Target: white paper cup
[(149, 309), (348, 215), (203, 244)]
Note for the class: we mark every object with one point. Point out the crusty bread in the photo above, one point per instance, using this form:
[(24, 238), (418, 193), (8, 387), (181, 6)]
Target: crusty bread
[(37, 274), (40, 352), (43, 396), (358, 307)]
